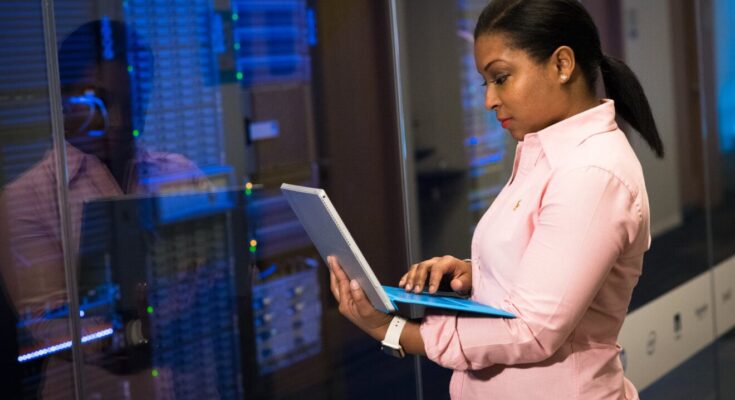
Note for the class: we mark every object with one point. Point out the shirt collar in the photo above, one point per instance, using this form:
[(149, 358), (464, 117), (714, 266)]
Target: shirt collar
[(76, 159), (559, 139)]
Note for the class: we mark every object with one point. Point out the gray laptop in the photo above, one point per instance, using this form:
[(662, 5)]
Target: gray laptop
[(331, 238)]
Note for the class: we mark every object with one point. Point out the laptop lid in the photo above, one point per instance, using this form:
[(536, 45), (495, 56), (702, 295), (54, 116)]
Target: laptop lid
[(331, 238)]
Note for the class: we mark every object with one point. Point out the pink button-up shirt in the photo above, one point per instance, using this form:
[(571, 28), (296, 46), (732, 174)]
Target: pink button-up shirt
[(562, 248), (29, 216)]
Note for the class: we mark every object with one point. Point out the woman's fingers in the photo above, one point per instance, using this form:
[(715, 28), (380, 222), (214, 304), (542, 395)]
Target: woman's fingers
[(403, 280), (419, 278), (438, 271), (431, 272), (362, 304), (333, 280), (413, 278), (461, 284), (333, 284), (409, 277)]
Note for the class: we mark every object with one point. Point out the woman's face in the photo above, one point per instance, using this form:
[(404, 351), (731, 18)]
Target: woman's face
[(525, 95)]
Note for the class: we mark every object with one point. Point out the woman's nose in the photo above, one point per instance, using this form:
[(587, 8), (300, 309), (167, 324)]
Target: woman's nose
[(492, 101)]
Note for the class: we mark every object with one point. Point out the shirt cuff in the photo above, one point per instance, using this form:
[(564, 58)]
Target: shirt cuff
[(441, 340)]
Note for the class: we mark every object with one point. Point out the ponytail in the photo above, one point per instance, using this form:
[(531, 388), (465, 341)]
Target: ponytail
[(539, 27), (631, 103)]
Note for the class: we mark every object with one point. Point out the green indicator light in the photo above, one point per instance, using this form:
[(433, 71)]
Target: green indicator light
[(248, 192), (237, 46), (130, 68), (239, 76), (235, 17), (136, 133), (252, 249), (149, 309), (154, 373)]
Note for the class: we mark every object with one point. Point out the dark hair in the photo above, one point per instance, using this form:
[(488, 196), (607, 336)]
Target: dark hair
[(539, 27), (106, 40)]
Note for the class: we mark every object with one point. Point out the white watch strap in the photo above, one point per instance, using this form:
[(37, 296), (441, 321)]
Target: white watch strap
[(393, 336)]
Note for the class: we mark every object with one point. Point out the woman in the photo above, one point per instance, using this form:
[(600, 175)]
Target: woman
[(562, 245)]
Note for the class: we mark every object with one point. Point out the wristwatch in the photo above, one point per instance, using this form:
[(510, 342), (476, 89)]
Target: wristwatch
[(390, 345)]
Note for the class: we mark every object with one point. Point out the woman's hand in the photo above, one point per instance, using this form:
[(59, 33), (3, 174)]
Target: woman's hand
[(353, 303), (434, 269)]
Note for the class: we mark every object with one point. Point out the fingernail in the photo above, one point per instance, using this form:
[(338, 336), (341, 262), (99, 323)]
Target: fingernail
[(354, 285), (432, 288), (408, 287)]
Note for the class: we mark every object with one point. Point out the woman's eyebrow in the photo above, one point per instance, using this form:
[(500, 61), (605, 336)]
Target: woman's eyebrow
[(487, 66)]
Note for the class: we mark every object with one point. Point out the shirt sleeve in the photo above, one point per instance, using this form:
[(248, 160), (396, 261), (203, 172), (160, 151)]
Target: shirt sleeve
[(586, 218), (32, 258)]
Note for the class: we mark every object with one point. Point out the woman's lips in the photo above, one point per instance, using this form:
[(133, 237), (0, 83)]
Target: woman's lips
[(505, 122)]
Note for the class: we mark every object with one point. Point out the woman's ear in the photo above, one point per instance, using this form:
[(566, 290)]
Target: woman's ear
[(563, 63)]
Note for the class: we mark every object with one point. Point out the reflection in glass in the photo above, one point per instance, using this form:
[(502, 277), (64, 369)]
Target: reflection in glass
[(723, 211), (33, 303), (186, 290), (160, 271)]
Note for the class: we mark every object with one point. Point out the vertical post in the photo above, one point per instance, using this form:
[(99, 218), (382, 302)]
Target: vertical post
[(403, 140), (62, 178), (704, 97)]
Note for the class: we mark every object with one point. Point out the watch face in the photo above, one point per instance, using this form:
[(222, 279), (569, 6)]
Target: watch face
[(393, 351)]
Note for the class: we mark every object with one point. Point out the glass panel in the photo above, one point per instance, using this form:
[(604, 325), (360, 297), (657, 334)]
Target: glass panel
[(462, 157), (34, 308), (182, 119), (722, 187), (460, 154), (676, 184)]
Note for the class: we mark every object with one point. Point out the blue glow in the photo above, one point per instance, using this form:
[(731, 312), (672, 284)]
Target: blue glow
[(270, 60), (490, 159), (63, 346), (311, 262), (218, 39), (108, 45), (311, 27), (62, 312), (267, 32), (725, 70), (268, 271), (282, 5)]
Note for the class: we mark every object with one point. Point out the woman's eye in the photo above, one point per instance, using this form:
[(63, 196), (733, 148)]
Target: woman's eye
[(500, 79)]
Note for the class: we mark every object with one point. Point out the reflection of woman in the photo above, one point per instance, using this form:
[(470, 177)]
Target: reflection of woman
[(102, 161), (562, 245)]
